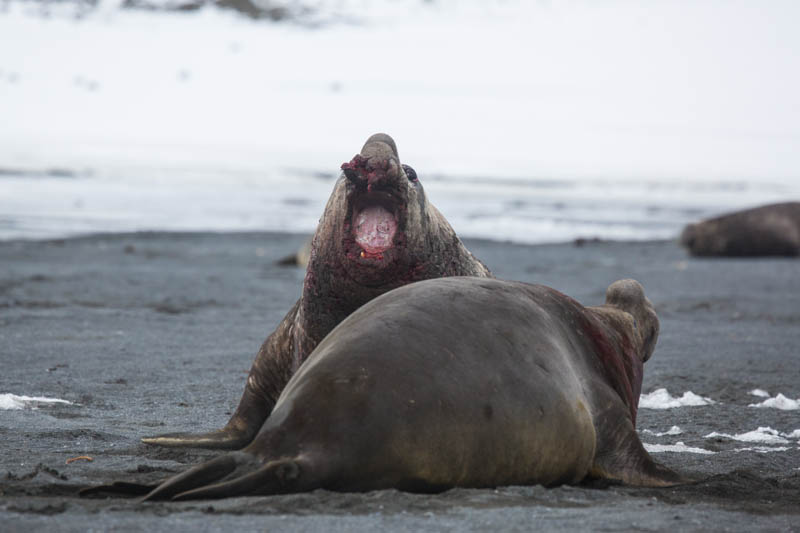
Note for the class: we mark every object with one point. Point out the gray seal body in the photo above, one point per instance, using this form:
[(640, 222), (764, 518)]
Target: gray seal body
[(769, 230), (455, 382)]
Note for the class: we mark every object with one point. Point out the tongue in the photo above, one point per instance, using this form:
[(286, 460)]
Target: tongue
[(374, 229)]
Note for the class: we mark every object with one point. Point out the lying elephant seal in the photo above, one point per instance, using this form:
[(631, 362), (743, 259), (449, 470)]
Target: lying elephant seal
[(451, 382), (300, 258), (378, 232), (762, 231)]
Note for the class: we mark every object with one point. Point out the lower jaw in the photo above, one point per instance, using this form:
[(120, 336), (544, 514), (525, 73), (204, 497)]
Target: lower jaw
[(371, 255), (364, 260)]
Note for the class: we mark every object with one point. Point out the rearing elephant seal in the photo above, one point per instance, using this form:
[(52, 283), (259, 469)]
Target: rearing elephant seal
[(455, 382), (378, 232), (767, 230)]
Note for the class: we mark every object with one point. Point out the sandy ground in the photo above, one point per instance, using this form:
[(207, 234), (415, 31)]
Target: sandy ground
[(148, 333)]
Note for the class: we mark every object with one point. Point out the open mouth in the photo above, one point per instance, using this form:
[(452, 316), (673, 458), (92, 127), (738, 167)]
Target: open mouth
[(377, 195), (374, 230), (374, 225)]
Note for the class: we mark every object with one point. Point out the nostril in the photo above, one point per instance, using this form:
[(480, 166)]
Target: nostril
[(411, 174), (351, 174), (353, 169)]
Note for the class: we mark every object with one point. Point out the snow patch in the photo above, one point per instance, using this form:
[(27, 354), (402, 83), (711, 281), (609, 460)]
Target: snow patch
[(760, 393), (765, 435), (678, 447), (661, 399), (778, 402), (12, 401), (674, 430), (762, 449)]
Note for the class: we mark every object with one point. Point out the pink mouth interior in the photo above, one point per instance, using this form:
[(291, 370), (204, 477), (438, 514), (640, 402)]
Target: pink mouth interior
[(374, 229)]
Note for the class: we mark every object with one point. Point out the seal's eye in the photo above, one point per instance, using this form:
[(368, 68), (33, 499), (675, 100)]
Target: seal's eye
[(410, 172)]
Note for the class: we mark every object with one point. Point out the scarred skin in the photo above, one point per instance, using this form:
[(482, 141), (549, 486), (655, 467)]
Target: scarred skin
[(769, 230), (454, 382), (341, 278)]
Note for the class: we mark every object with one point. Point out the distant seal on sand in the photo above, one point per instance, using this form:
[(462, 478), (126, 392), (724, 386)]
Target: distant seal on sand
[(451, 382), (300, 258), (378, 232), (763, 231)]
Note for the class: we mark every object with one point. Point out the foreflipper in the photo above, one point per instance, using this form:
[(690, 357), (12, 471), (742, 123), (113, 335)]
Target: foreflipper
[(221, 439), (621, 456), (237, 433), (253, 410), (271, 370)]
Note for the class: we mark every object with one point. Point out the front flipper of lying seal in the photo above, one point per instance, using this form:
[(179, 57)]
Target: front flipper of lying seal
[(451, 382), (378, 232)]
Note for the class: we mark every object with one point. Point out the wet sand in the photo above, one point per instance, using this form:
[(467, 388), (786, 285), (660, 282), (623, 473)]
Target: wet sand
[(149, 333)]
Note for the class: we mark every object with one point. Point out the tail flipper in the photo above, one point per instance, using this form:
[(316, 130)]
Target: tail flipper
[(199, 476), (273, 478), (236, 474)]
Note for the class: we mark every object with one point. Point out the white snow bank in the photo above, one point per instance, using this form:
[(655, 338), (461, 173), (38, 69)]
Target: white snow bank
[(674, 430), (661, 399), (762, 449), (765, 435), (12, 401), (678, 447), (476, 88), (778, 402)]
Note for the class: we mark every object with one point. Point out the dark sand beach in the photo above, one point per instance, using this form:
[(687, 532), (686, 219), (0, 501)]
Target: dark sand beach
[(149, 333)]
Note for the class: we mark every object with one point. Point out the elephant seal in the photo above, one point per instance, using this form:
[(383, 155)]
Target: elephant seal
[(762, 231), (378, 232), (455, 382), (299, 258)]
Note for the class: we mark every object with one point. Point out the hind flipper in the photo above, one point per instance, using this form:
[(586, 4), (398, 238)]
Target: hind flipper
[(275, 477), (621, 456), (237, 474), (201, 475)]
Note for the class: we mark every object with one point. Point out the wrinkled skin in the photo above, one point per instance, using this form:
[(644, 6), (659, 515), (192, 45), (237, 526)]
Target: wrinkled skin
[(403, 239), (455, 382), (769, 230)]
